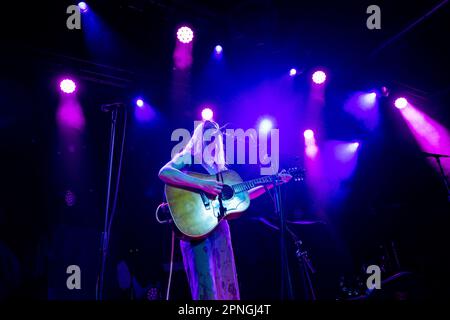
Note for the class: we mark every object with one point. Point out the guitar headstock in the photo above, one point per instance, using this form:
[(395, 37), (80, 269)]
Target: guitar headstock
[(298, 174)]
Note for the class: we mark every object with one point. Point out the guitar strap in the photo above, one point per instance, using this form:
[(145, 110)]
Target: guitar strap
[(222, 209)]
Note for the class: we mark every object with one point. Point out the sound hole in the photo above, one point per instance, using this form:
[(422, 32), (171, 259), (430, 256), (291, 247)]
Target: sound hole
[(227, 192)]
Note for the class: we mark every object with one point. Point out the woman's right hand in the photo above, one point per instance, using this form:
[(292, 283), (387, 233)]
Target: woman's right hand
[(211, 186)]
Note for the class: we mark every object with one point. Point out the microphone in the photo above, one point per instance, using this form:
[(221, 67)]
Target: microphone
[(111, 106)]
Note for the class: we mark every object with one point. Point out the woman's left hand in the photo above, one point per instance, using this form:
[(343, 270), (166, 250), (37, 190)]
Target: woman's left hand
[(284, 176)]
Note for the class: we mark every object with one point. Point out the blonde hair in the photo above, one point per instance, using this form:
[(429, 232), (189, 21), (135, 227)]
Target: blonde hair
[(195, 144)]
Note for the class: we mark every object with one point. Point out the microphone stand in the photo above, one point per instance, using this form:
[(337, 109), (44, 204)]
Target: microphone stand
[(444, 178), (305, 267), (108, 218), (304, 262), (286, 284)]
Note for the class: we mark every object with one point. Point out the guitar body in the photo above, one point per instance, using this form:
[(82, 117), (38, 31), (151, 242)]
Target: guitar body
[(196, 214)]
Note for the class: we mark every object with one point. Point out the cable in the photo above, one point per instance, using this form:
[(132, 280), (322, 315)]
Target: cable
[(171, 266), (172, 251), (119, 170), (163, 204), (108, 223)]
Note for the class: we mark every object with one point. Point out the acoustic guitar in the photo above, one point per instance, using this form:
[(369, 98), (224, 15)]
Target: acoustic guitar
[(196, 213)]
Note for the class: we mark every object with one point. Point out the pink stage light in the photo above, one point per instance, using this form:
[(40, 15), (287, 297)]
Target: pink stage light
[(67, 86), (308, 134), (401, 103), (185, 34), (265, 125), (319, 77), (207, 114)]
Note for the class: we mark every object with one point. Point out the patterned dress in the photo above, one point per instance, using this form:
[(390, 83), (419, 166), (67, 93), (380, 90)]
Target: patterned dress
[(209, 264)]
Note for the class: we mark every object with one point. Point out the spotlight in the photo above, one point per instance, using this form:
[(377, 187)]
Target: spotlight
[(140, 103), (185, 34), (83, 6), (218, 49), (319, 77), (207, 114), (400, 103), (292, 72), (67, 86), (308, 134), (265, 125), (352, 147), (368, 100)]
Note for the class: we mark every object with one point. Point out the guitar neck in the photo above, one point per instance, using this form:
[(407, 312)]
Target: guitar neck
[(250, 184)]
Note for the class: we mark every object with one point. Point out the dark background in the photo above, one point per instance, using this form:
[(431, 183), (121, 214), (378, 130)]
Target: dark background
[(394, 196)]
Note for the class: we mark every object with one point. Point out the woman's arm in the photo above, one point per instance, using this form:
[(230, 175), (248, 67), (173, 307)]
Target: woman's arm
[(171, 173), (260, 190)]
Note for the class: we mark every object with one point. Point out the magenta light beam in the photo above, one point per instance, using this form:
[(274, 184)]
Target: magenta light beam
[(431, 136)]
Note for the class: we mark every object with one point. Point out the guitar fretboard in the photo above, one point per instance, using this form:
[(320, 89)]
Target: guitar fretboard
[(250, 184)]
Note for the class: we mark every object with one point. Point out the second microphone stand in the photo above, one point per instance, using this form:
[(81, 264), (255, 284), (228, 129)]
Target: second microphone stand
[(286, 283), (306, 267)]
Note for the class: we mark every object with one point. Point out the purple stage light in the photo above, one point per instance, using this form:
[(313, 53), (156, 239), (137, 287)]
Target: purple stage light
[(352, 147), (207, 114), (292, 72), (400, 103), (83, 6), (218, 49), (70, 113), (67, 86), (308, 134), (265, 125), (185, 34), (140, 103), (319, 77), (367, 100)]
